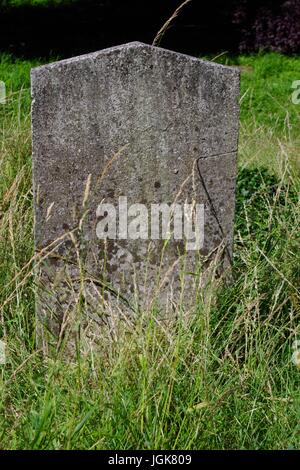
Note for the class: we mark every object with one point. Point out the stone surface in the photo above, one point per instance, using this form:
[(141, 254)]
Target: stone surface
[(135, 121)]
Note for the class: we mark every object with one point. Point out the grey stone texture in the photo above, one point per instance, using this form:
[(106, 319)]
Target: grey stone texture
[(136, 121)]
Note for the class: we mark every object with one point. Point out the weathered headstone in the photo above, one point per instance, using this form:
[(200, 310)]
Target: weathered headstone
[(133, 124)]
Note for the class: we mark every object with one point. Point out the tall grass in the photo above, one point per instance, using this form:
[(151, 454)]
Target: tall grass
[(218, 378)]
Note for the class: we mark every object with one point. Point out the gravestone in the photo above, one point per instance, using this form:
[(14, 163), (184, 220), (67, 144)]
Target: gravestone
[(120, 137)]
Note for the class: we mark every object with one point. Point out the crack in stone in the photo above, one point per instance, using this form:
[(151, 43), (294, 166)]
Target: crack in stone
[(213, 207)]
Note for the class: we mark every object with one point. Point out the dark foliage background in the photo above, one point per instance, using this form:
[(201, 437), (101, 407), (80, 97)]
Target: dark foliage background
[(271, 25), (203, 27)]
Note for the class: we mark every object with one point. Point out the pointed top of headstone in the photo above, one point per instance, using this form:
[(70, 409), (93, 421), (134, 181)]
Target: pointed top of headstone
[(128, 47)]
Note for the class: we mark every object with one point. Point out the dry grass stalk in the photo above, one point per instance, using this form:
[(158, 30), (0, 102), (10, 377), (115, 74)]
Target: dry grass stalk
[(167, 24)]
